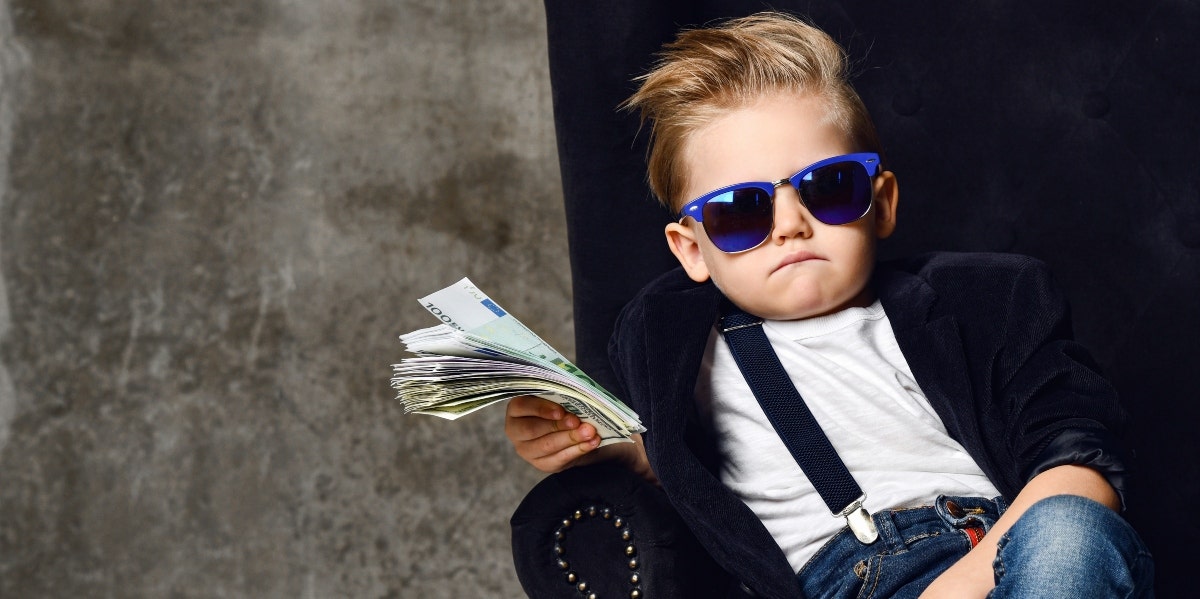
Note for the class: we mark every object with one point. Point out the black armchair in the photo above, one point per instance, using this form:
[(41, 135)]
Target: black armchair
[(601, 530), (1064, 130)]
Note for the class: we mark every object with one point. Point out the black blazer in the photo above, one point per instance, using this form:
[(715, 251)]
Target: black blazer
[(987, 337)]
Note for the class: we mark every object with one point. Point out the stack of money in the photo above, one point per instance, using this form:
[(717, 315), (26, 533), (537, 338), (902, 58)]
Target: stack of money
[(481, 355)]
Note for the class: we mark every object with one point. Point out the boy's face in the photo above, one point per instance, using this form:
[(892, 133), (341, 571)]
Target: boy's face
[(805, 268)]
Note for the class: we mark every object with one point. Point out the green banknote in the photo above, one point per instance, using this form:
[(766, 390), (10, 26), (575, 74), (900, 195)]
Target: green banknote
[(480, 354)]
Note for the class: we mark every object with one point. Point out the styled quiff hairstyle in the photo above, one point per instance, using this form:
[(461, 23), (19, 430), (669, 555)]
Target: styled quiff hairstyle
[(706, 73)]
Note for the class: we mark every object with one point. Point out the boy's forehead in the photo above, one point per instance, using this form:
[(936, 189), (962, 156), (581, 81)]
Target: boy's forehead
[(767, 139), (780, 113)]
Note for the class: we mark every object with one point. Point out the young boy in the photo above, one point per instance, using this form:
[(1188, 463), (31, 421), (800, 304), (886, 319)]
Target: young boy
[(947, 384)]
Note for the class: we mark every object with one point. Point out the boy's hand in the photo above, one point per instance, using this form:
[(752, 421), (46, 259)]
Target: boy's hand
[(966, 579), (546, 435)]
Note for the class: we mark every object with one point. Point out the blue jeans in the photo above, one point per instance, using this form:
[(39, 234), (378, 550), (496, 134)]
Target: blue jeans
[(1063, 546)]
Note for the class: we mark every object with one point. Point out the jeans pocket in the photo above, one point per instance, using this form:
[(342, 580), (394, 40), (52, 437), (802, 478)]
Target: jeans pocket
[(907, 573)]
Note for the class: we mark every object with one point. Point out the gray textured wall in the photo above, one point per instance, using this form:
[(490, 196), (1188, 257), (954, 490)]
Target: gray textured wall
[(215, 217)]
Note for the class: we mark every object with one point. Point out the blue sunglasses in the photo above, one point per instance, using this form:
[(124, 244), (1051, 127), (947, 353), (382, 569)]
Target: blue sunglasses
[(836, 191)]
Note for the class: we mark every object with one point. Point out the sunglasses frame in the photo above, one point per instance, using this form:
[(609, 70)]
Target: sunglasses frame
[(695, 208)]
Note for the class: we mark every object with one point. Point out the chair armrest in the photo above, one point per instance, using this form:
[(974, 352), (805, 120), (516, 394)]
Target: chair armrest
[(602, 530)]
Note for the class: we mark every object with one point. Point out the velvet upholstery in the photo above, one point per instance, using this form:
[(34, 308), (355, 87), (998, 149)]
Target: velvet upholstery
[(1063, 130)]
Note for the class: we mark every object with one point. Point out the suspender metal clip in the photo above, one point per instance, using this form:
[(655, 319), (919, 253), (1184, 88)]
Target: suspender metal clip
[(859, 520)]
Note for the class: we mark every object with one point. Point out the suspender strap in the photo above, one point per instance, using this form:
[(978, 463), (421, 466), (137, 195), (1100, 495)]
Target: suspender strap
[(793, 421)]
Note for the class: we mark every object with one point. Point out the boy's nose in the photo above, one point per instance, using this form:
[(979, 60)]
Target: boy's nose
[(791, 217)]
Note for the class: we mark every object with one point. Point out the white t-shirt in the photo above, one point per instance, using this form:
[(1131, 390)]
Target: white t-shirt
[(849, 369)]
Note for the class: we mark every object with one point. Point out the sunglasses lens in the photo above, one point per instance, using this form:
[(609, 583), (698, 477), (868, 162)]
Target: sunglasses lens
[(739, 219), (837, 194)]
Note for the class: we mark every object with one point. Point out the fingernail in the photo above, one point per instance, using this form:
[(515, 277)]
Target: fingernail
[(594, 442)]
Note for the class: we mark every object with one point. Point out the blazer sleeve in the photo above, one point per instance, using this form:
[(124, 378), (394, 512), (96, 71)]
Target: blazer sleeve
[(1060, 409)]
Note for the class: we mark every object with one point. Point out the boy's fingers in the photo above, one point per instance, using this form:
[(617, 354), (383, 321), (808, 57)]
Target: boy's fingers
[(531, 405), (527, 428), (556, 442), (568, 456), (553, 444), (546, 435)]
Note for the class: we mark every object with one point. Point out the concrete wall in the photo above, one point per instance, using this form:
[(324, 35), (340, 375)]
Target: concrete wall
[(215, 218)]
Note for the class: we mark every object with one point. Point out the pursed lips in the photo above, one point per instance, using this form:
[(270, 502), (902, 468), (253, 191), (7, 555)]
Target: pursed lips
[(796, 258)]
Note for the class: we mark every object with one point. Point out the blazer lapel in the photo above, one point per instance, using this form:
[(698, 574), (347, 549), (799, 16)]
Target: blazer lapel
[(932, 344)]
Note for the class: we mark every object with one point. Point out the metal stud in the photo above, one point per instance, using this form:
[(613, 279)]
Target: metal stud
[(633, 564), (582, 586), (559, 535), (618, 523), (563, 565), (626, 535), (572, 577), (629, 550), (591, 511), (635, 594), (578, 515), (566, 523), (635, 578), (558, 549), (591, 596), (607, 513)]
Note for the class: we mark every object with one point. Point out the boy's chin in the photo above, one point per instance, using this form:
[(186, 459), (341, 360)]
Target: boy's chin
[(802, 309)]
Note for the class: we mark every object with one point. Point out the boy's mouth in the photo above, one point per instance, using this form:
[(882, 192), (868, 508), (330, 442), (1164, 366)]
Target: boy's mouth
[(796, 258)]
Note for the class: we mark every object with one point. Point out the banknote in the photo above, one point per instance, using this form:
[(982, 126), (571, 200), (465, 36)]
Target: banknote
[(481, 354)]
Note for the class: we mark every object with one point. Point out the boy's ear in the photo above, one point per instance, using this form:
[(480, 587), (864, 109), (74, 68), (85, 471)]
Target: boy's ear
[(887, 195), (683, 243)]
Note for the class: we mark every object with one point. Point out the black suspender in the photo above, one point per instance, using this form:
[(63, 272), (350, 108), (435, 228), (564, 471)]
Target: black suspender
[(793, 421)]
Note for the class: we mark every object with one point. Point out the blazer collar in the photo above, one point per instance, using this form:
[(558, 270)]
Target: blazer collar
[(907, 298), (680, 314)]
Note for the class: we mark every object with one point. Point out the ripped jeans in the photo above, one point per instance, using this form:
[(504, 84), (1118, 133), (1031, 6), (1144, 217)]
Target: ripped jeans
[(1063, 546)]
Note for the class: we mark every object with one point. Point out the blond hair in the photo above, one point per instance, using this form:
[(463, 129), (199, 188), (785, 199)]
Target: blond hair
[(708, 72)]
